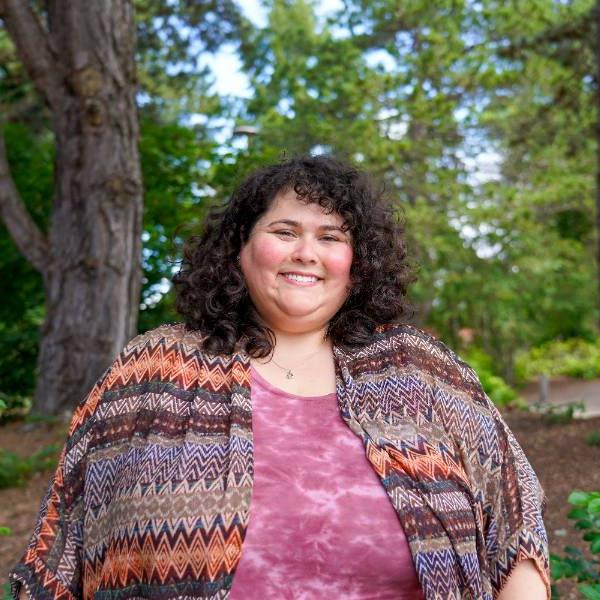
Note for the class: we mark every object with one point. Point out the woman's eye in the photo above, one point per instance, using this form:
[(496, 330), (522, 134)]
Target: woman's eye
[(288, 233)]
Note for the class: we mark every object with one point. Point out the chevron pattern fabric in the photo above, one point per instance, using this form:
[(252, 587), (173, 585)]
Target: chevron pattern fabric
[(151, 497)]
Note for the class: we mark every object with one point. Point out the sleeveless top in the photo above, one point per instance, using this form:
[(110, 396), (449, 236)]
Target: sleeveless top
[(321, 524)]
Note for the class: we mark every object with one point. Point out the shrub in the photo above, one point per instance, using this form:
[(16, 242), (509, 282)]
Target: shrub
[(15, 470), (499, 392), (560, 414), (13, 406), (575, 565), (574, 357), (593, 438)]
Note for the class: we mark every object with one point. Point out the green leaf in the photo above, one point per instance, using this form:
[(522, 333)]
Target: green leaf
[(590, 536), (595, 547), (594, 506), (578, 498), (592, 592), (558, 567), (578, 513)]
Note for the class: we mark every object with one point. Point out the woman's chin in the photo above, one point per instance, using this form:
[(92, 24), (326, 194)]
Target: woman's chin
[(297, 313), (300, 313)]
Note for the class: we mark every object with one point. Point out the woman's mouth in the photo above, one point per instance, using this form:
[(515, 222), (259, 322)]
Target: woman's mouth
[(298, 279)]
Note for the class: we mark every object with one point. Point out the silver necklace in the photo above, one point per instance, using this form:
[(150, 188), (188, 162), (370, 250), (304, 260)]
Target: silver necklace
[(289, 374)]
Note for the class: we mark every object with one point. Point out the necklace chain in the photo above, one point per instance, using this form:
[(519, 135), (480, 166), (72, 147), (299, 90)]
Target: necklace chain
[(289, 374)]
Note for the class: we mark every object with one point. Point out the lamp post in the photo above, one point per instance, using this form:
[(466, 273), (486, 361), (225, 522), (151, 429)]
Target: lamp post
[(249, 131)]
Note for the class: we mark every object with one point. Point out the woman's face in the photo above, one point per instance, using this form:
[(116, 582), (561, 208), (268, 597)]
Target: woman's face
[(296, 264)]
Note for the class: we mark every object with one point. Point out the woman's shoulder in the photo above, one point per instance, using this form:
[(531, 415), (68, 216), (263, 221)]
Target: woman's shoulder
[(419, 342), (172, 348), (411, 335), (166, 335), (440, 364), (455, 389)]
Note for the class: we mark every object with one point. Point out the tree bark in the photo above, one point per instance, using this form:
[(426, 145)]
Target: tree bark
[(92, 269)]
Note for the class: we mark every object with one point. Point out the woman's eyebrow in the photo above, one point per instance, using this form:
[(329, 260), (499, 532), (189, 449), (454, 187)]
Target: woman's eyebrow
[(333, 228), (297, 224), (285, 221)]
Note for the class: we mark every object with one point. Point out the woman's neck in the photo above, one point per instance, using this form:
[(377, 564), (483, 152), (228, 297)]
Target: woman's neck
[(301, 363), (300, 344)]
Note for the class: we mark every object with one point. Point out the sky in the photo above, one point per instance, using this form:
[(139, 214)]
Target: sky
[(226, 67)]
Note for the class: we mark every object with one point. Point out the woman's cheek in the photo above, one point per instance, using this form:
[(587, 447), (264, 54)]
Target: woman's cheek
[(339, 262), (269, 253)]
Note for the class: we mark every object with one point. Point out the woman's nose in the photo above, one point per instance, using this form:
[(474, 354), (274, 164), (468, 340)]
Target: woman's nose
[(305, 250)]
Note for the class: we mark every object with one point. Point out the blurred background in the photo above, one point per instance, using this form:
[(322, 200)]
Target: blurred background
[(123, 121)]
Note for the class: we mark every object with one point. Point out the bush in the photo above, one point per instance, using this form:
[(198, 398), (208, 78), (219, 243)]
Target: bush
[(574, 357), (499, 392), (575, 565), (15, 470), (593, 439), (13, 406), (559, 414)]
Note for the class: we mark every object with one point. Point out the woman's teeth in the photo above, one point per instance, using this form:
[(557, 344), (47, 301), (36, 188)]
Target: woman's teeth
[(302, 278)]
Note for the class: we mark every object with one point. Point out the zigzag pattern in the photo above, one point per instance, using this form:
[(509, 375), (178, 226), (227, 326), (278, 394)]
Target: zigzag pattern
[(431, 564), (164, 555), (152, 492), (114, 476), (372, 402), (525, 546), (439, 483)]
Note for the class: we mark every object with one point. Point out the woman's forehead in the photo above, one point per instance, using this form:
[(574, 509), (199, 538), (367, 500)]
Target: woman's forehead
[(288, 205)]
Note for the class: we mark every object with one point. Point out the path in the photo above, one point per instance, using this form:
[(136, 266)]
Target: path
[(565, 390)]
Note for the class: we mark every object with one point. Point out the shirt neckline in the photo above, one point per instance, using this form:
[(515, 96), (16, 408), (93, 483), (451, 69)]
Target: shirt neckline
[(262, 382)]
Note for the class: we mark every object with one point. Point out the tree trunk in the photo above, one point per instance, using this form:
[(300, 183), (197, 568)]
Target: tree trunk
[(92, 267)]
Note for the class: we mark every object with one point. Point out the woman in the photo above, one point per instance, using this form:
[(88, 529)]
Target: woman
[(290, 440)]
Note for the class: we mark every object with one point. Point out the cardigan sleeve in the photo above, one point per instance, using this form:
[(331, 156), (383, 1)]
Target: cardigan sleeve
[(51, 566), (510, 495), (513, 499), (516, 503)]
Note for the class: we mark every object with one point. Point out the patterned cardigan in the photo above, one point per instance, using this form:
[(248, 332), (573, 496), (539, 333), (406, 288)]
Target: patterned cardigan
[(151, 497)]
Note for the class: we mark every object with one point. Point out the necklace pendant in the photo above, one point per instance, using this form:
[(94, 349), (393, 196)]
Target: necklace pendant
[(289, 375)]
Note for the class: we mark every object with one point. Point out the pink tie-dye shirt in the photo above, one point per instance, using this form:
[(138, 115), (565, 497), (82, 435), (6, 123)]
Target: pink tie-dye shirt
[(321, 524)]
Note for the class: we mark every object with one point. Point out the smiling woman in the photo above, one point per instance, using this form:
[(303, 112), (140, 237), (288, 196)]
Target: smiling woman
[(294, 437), (296, 213), (305, 217), (297, 263)]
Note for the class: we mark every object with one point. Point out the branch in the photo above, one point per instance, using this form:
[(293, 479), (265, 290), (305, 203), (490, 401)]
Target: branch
[(581, 29), (34, 50), (29, 239)]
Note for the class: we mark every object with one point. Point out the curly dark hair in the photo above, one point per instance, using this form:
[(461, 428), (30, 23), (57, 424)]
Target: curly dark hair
[(210, 289)]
